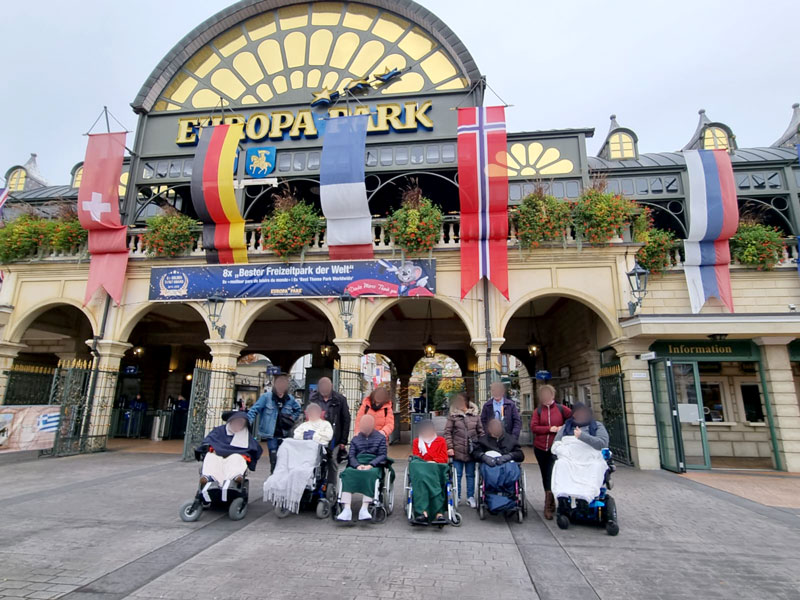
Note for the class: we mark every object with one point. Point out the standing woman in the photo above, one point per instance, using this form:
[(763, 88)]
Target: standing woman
[(546, 420), (379, 405), (463, 425)]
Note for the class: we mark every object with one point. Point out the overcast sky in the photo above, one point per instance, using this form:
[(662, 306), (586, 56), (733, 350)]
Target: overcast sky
[(566, 63)]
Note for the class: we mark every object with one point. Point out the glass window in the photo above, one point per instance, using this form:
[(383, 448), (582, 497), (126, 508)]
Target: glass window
[(417, 155), (187, 167), (743, 181), (401, 155), (16, 181), (612, 186), (751, 399), (759, 182), (712, 401), (448, 153), (372, 157), (299, 161), (715, 138), (627, 186), (527, 189), (175, 168), (161, 169), (641, 186), (284, 161), (313, 161), (621, 146), (432, 155), (76, 179), (558, 189), (773, 180), (386, 157), (147, 171), (515, 192), (573, 189), (671, 184), (656, 185)]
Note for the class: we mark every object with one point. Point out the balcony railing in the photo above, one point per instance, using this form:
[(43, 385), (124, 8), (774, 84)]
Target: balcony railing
[(791, 255)]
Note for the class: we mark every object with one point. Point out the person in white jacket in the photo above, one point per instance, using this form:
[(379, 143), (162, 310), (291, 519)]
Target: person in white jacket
[(315, 427)]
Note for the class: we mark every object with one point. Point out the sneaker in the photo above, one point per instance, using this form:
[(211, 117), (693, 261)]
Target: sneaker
[(345, 515), (471, 502), (363, 514)]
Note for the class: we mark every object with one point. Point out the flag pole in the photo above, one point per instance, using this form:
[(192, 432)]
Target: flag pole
[(488, 330)]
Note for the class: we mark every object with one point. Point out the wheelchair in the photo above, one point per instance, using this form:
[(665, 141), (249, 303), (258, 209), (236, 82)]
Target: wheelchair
[(231, 496), (451, 496), (517, 496), (319, 494), (602, 510), (382, 504)]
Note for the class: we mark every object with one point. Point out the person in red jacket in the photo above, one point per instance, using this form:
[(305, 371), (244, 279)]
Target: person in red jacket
[(429, 446), (548, 417)]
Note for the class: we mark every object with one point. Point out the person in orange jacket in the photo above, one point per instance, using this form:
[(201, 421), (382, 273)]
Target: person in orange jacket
[(379, 405)]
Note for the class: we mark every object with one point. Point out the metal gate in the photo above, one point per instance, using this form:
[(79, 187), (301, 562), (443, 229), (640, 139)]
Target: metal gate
[(85, 396), (613, 408), (213, 392), (28, 384)]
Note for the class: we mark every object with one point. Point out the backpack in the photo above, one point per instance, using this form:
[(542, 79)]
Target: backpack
[(560, 409)]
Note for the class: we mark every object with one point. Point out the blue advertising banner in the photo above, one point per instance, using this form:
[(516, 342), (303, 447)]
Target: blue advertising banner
[(390, 278)]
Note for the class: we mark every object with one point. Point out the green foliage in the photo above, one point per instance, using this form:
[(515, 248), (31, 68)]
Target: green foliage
[(416, 225), (169, 235), (24, 236), (757, 245), (542, 218), (656, 254), (291, 227), (67, 234), (599, 216)]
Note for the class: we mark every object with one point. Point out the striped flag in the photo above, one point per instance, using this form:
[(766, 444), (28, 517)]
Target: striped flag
[(713, 219), (3, 198), (48, 422), (483, 191), (213, 196), (343, 194)]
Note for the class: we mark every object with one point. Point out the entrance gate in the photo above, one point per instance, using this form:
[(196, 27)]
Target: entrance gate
[(28, 384), (612, 402), (213, 391), (85, 396)]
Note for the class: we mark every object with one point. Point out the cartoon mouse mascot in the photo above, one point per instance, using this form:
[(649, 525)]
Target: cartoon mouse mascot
[(409, 276)]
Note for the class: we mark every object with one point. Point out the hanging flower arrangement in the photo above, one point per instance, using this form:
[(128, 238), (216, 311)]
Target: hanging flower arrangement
[(169, 235), (542, 218), (757, 245), (417, 224), (291, 227), (24, 236), (600, 216), (67, 235)]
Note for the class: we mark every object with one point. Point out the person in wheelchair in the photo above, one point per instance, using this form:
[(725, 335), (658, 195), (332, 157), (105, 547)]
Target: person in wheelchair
[(498, 453), (314, 427), (368, 451), (428, 480), (229, 450)]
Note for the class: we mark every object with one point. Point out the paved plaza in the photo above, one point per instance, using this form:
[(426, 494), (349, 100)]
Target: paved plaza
[(106, 526)]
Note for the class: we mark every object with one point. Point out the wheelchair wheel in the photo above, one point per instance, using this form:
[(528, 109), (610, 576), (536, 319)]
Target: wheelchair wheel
[(323, 509), (282, 512), (481, 512), (612, 528), (562, 521), (520, 515), (191, 511), (378, 513), (238, 509), (456, 520), (388, 493), (524, 495)]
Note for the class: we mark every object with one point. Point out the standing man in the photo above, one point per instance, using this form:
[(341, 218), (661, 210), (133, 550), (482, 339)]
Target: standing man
[(421, 403), (277, 411), (499, 406), (334, 410)]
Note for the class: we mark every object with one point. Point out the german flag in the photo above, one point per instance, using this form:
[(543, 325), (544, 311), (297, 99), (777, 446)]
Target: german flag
[(213, 196)]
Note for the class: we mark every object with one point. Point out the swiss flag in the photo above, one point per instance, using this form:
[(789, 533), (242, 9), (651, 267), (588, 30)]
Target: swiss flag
[(98, 211)]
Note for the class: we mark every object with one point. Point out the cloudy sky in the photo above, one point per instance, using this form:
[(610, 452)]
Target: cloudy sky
[(560, 64)]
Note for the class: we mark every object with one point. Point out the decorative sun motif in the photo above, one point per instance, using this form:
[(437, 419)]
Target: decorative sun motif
[(533, 159)]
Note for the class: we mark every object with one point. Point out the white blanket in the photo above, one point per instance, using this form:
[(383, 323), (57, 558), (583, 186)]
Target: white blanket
[(293, 472), (579, 470)]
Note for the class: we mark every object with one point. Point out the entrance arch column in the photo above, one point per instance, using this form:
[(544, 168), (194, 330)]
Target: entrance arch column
[(350, 378), (639, 409), (224, 358), (491, 365), (110, 354), (8, 353)]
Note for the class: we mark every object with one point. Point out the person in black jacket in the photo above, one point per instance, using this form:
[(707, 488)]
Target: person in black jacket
[(498, 441), (334, 409)]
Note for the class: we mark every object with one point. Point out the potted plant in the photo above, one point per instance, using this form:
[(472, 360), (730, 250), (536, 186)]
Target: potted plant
[(24, 236), (542, 218), (291, 227), (416, 226), (757, 245), (169, 235), (67, 233), (600, 216)]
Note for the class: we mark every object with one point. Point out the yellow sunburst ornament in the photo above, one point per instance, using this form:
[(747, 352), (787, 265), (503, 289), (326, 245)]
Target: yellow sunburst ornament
[(530, 160)]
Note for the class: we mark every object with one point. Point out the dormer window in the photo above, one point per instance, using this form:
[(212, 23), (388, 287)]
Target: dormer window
[(621, 146), (16, 181), (715, 138), (77, 177)]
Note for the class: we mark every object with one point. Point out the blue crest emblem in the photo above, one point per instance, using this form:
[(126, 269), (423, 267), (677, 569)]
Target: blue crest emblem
[(260, 161)]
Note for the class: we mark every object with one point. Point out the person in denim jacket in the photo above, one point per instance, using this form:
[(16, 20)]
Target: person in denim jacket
[(278, 411)]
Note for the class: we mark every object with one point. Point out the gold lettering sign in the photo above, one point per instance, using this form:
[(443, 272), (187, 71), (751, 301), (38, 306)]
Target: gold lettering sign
[(686, 349)]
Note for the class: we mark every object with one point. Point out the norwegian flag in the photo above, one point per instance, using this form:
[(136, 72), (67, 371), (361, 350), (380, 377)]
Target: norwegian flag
[(483, 190)]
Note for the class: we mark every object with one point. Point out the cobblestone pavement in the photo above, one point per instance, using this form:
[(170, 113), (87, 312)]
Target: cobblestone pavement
[(105, 527)]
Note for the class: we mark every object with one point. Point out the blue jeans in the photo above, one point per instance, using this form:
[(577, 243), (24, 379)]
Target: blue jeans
[(470, 468), (272, 446)]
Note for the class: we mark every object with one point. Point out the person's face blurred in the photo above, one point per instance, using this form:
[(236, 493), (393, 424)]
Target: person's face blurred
[(583, 415), (381, 396), (460, 402), (281, 385), (495, 428), (427, 431), (366, 425), (498, 390), (313, 412), (325, 386), (236, 425), (546, 397)]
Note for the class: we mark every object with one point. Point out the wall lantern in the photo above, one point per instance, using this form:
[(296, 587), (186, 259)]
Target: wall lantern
[(214, 305), (346, 305), (429, 347), (326, 348), (637, 279), (534, 347)]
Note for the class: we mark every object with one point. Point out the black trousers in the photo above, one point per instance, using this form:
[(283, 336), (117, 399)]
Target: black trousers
[(545, 459)]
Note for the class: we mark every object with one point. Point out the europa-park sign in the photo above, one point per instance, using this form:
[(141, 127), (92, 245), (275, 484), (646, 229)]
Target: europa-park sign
[(400, 117)]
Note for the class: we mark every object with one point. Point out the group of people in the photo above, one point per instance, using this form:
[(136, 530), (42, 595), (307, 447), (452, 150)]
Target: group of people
[(489, 435)]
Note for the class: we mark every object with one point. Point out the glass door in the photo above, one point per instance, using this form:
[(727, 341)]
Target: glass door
[(666, 413), (691, 415)]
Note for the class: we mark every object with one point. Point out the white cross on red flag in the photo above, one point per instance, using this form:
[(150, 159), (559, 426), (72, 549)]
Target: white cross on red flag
[(98, 211)]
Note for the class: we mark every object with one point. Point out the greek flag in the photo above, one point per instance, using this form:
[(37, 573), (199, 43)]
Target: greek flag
[(48, 422)]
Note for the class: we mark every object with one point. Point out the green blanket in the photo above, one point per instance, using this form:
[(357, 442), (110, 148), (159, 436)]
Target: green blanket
[(363, 482), (428, 482)]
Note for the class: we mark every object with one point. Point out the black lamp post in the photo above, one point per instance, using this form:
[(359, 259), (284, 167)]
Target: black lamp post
[(214, 305), (346, 305), (637, 279)]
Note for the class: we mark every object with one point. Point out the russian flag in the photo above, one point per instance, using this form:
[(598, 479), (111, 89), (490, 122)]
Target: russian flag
[(343, 194), (713, 219)]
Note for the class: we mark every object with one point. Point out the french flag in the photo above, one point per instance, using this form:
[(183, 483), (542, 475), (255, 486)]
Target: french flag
[(343, 194), (713, 219)]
